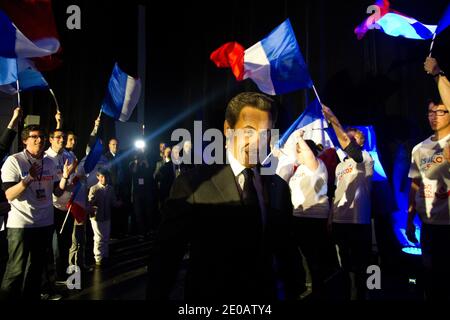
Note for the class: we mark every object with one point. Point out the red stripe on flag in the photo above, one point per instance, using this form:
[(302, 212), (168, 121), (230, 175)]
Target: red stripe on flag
[(34, 18), (230, 55), (78, 212)]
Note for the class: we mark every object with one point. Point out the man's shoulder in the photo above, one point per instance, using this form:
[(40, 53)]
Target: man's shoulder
[(199, 174), (366, 156), (17, 158), (108, 155), (95, 187), (48, 161), (422, 144)]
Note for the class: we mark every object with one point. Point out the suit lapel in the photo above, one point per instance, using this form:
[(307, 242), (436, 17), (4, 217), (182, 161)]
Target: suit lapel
[(225, 183)]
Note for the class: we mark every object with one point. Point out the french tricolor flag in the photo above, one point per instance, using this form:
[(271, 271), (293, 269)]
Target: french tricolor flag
[(275, 63), (394, 23), (122, 95), (398, 25), (312, 122), (78, 201), (13, 43)]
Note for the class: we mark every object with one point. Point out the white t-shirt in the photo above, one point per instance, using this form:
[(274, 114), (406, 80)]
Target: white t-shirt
[(429, 165), (309, 192), (353, 187), (33, 208), (59, 159)]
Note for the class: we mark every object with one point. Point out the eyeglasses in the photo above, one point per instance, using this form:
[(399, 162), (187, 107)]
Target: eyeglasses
[(36, 136), (437, 113)]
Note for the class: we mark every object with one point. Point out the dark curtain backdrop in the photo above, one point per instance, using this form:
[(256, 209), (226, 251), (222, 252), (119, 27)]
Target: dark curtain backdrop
[(378, 80)]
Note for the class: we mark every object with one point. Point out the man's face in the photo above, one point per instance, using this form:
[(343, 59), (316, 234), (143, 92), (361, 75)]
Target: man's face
[(35, 142), (176, 153), (251, 133), (57, 142), (113, 146), (71, 141), (162, 146), (438, 116), (167, 152), (101, 178), (187, 147)]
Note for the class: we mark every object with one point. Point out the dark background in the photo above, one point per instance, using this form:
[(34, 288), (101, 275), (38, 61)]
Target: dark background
[(378, 80)]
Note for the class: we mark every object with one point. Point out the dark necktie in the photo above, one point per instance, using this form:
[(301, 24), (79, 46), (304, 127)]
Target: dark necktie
[(249, 195)]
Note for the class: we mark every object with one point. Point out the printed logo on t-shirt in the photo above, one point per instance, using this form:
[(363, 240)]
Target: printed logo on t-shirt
[(341, 174), (427, 162)]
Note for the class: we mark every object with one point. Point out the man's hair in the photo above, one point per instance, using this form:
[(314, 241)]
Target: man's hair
[(357, 131), (435, 101), (26, 131), (249, 99), (313, 146), (104, 172), (52, 133), (71, 133)]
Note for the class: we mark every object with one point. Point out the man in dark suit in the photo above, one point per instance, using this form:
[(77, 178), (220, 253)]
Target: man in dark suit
[(121, 184), (235, 220)]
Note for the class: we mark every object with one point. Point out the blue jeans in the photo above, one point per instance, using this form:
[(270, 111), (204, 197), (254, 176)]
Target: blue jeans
[(27, 248)]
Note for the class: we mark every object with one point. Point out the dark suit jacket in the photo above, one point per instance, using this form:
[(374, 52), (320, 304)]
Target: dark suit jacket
[(164, 179), (119, 175), (231, 257)]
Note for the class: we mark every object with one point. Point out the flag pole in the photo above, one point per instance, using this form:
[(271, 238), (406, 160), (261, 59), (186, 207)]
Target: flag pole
[(431, 46), (318, 99), (54, 99), (18, 92), (317, 95), (65, 220)]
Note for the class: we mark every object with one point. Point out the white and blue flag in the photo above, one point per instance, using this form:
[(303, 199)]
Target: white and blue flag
[(122, 95)]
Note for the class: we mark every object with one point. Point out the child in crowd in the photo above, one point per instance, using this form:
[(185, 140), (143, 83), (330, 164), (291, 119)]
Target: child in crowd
[(102, 198)]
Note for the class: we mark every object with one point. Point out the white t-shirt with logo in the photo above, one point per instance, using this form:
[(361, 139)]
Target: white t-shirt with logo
[(309, 192), (429, 164), (353, 186), (59, 159), (34, 207)]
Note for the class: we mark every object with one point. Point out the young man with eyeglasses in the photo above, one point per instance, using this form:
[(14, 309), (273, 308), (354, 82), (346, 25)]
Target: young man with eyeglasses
[(429, 197), (60, 248), (59, 155), (29, 180)]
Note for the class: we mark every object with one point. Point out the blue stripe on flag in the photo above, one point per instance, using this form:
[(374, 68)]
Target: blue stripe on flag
[(287, 66), (7, 37), (445, 21), (93, 156), (115, 95), (312, 112), (8, 70), (31, 79)]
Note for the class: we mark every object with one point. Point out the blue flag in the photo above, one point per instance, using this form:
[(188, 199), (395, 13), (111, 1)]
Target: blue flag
[(13, 43), (445, 21), (276, 63), (122, 95), (93, 157), (313, 123), (8, 70), (29, 78)]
